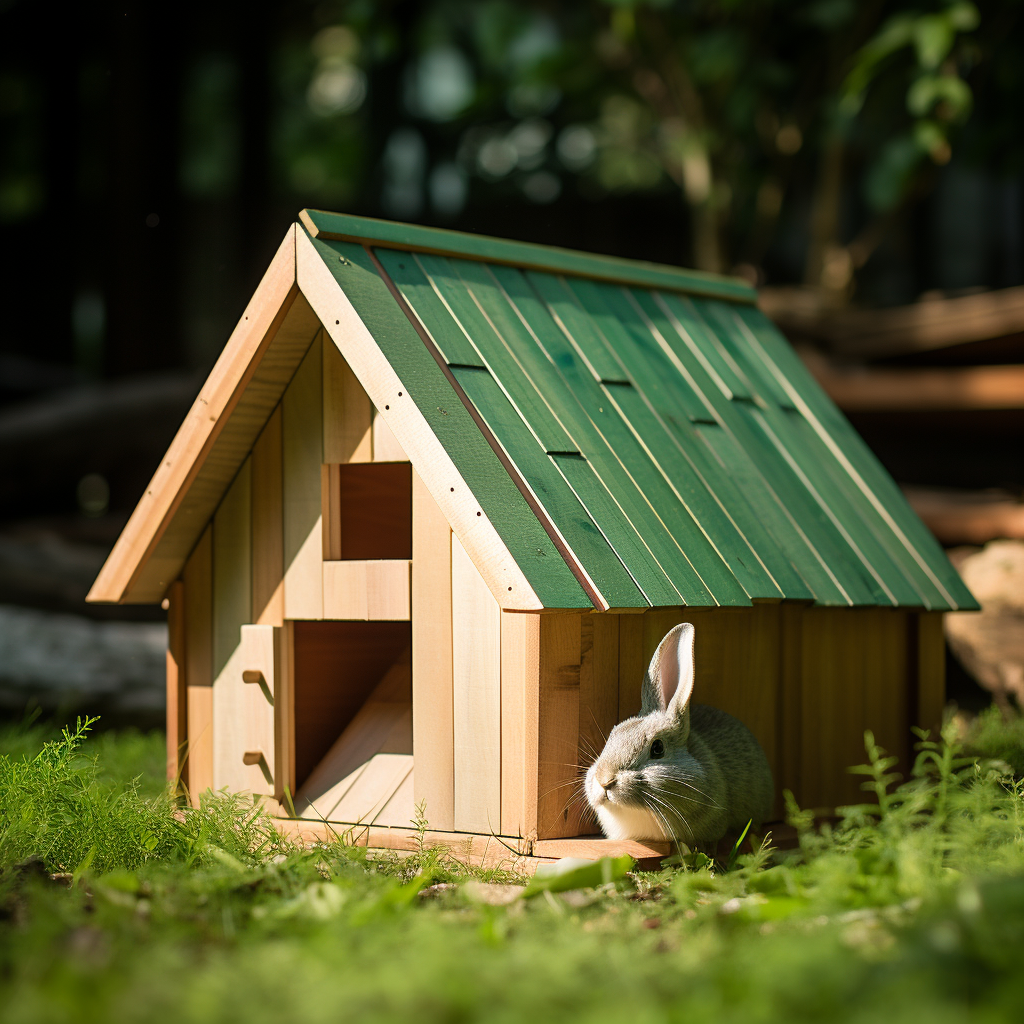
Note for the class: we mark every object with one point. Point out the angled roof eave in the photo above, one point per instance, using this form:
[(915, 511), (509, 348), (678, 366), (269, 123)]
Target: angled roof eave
[(213, 441)]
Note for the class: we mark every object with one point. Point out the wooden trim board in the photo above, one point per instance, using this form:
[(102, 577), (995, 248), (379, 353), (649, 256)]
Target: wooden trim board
[(216, 436), (476, 682), (377, 589), (560, 801), (232, 609), (433, 713), (520, 688), (523, 855), (302, 449), (198, 580), (348, 414), (268, 525), (177, 686)]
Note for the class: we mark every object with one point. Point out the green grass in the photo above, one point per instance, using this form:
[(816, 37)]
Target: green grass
[(911, 907)]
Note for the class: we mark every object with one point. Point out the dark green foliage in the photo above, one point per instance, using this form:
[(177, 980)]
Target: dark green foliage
[(906, 908)]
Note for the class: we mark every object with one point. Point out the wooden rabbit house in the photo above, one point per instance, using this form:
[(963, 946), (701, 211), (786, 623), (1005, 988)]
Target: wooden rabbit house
[(441, 497)]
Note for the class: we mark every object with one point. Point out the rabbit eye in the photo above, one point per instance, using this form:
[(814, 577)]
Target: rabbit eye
[(657, 749)]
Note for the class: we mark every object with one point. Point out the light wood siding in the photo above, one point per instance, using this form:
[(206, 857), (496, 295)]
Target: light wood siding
[(268, 526), (476, 668), (232, 608), (347, 412), (432, 710), (303, 457), (559, 806), (198, 578), (177, 683)]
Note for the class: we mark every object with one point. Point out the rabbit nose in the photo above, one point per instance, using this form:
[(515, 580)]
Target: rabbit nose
[(608, 782)]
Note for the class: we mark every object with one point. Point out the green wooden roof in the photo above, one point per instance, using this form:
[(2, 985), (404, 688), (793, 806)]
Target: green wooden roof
[(678, 446)]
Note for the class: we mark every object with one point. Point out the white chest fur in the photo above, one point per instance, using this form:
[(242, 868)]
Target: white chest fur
[(620, 822)]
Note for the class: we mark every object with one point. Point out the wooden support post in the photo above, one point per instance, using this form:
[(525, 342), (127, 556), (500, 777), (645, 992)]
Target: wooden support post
[(433, 712), (284, 718), (198, 579), (476, 686), (303, 457), (268, 525), (177, 686), (559, 794), (232, 608), (520, 667)]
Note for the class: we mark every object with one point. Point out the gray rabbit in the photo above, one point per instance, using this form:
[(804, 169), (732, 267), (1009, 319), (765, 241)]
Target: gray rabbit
[(676, 771)]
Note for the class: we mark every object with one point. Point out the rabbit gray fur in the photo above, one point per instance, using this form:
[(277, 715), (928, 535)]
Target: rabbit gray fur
[(712, 776)]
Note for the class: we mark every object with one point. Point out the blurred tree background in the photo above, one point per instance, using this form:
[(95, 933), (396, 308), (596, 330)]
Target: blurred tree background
[(151, 158)]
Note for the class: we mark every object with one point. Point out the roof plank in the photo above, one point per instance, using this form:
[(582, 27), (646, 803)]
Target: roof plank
[(667, 392), (581, 534), (677, 541), (851, 451), (612, 514), (414, 238), (448, 428), (448, 333), (595, 328), (463, 310), (828, 544)]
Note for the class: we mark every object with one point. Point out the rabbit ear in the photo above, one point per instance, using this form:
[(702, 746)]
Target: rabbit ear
[(669, 680)]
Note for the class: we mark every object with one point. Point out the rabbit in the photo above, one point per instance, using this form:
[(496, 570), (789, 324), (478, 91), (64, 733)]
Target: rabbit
[(676, 771)]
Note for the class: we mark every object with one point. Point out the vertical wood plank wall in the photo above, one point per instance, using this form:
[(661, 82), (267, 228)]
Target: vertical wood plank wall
[(347, 412), (520, 666), (302, 450), (268, 525), (929, 642), (432, 719), (232, 608), (177, 694), (476, 691), (855, 676), (198, 580)]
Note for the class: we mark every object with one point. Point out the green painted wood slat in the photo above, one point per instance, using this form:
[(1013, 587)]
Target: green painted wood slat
[(731, 521), (703, 342), (828, 491), (499, 498), (859, 586), (677, 541), (408, 276), (778, 520), (591, 337), (534, 407), (413, 237), (577, 528), (900, 572), (534, 370), (788, 369)]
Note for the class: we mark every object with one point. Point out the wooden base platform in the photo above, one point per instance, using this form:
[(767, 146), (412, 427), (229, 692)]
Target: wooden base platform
[(513, 854)]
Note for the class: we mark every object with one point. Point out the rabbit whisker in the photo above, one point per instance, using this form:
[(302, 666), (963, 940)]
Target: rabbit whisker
[(604, 735), (679, 780), (670, 833), (654, 801)]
